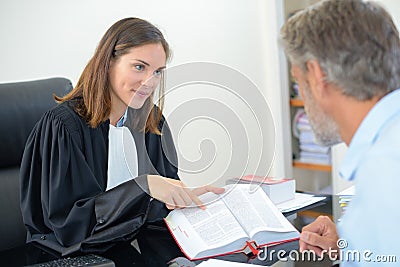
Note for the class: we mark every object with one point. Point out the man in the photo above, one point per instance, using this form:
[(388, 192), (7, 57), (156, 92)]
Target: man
[(345, 56)]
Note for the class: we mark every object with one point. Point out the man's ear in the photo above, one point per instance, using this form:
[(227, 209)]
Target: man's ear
[(316, 76)]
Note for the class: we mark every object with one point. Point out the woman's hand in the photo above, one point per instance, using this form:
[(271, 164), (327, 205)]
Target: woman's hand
[(176, 194)]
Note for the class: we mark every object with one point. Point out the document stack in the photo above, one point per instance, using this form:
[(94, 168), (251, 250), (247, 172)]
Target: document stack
[(295, 93), (345, 198), (310, 152)]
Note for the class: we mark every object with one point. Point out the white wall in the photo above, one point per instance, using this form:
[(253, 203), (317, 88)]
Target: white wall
[(393, 6), (48, 38)]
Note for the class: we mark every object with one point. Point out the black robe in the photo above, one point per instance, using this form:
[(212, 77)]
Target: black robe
[(64, 202)]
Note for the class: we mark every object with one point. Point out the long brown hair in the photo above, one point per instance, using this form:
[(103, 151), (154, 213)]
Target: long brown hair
[(92, 91)]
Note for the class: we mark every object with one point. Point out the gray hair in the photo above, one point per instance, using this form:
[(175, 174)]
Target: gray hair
[(355, 42)]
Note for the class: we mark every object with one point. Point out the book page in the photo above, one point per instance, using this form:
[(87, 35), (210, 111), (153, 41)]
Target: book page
[(200, 230), (215, 225), (254, 210)]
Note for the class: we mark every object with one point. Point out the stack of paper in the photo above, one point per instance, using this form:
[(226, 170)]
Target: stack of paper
[(300, 201), (310, 152), (345, 198)]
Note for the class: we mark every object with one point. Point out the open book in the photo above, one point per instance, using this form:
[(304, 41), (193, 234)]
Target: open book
[(243, 219)]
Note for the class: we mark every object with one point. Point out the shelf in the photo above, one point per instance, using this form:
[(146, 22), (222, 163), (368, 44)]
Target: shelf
[(295, 102), (312, 166), (313, 214)]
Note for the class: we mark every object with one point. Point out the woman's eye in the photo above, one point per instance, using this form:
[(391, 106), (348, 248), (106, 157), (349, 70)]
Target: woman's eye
[(139, 67), (158, 72)]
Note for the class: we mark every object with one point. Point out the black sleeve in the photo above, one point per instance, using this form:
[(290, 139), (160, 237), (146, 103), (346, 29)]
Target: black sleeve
[(162, 151), (163, 158), (63, 179)]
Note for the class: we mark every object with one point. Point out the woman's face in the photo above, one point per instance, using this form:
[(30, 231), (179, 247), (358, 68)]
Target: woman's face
[(134, 76)]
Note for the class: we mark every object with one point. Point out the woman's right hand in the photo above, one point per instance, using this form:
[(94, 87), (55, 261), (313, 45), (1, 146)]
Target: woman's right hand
[(175, 194)]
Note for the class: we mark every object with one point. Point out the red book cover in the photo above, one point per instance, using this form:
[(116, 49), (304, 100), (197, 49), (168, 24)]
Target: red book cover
[(230, 223), (263, 179)]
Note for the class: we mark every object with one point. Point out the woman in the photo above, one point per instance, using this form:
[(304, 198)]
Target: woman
[(78, 191)]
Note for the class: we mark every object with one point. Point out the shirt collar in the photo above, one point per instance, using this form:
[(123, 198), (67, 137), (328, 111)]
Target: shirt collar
[(368, 132), (121, 121)]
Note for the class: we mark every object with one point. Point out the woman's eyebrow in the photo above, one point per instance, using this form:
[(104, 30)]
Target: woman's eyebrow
[(147, 64), (144, 62)]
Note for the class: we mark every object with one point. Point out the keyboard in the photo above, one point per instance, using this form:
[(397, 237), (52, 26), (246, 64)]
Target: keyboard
[(78, 261)]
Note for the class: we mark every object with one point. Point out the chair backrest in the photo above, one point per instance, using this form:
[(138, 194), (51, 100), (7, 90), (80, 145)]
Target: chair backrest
[(21, 106)]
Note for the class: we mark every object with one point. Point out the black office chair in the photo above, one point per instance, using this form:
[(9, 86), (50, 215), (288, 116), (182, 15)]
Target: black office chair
[(21, 106)]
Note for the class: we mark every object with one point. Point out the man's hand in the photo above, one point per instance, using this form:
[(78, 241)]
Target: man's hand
[(176, 194), (319, 235)]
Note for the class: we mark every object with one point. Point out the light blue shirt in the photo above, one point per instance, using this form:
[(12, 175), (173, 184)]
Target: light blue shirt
[(121, 121), (370, 225)]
